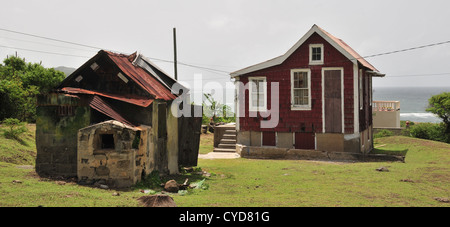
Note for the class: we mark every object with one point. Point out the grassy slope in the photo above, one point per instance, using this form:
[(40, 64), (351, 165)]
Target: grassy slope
[(23, 153), (244, 182)]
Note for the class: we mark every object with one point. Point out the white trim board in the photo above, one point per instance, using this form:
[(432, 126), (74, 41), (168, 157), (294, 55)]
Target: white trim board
[(282, 58)]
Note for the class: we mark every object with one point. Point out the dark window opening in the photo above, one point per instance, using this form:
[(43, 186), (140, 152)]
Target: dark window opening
[(65, 111), (316, 54), (162, 124), (107, 141), (137, 140)]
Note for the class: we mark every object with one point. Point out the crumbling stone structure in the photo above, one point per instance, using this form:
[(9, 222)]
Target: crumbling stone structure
[(111, 121), (114, 153)]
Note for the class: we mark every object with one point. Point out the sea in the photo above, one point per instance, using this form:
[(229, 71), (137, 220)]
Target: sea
[(413, 101)]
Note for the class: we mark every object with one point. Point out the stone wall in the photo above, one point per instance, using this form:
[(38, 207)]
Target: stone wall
[(300, 154), (58, 119), (111, 164)]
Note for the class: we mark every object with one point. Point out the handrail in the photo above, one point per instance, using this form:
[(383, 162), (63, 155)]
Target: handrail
[(386, 106)]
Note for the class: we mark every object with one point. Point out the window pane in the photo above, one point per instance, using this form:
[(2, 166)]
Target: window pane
[(254, 87), (257, 93), (261, 100), (254, 100), (316, 53), (260, 85), (301, 80), (301, 97)]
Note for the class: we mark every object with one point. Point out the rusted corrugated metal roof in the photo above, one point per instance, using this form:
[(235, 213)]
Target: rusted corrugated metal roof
[(350, 50), (143, 78), (101, 106), (136, 100)]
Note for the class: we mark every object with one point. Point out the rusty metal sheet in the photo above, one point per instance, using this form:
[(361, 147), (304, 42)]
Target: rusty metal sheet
[(141, 76), (101, 106), (136, 100)]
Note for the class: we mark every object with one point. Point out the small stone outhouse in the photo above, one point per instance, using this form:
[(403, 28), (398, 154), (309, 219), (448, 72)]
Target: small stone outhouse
[(114, 153)]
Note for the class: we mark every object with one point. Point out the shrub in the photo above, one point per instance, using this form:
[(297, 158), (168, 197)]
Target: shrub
[(430, 131), (440, 106), (16, 128), (383, 133)]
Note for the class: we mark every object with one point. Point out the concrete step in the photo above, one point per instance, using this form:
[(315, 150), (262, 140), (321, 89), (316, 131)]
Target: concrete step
[(233, 131), (229, 146), (229, 136), (224, 150), (228, 141)]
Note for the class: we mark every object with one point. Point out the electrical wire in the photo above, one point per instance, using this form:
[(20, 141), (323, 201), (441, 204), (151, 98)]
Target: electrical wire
[(217, 71), (52, 39), (44, 52)]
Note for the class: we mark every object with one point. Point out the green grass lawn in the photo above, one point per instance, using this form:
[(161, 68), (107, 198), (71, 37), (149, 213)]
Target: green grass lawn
[(424, 177), (206, 143)]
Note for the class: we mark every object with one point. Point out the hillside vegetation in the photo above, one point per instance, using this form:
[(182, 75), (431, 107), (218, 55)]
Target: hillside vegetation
[(21, 152)]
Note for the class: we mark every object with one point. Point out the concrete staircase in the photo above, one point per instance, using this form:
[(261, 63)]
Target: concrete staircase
[(227, 142)]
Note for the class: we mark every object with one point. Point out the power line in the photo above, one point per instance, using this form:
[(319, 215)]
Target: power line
[(44, 52), (48, 44), (414, 75), (52, 39), (94, 47), (408, 49), (206, 68)]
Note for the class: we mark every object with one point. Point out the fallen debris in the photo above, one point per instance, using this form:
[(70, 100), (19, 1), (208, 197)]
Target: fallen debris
[(382, 169), (407, 180), (60, 182), (185, 185), (17, 182), (171, 186), (147, 191), (442, 200)]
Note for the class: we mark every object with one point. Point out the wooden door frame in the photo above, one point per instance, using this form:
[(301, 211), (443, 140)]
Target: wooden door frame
[(342, 96)]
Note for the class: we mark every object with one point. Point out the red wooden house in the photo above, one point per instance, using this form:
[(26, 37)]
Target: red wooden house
[(324, 98)]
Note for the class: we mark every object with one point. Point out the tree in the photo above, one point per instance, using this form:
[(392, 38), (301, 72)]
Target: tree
[(20, 82), (440, 105)]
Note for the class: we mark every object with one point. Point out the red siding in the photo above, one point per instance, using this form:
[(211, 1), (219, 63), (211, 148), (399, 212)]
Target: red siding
[(269, 139), (302, 121), (304, 140)]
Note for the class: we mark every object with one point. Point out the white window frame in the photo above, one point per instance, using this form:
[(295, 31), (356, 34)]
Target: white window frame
[(316, 62), (300, 107), (250, 98)]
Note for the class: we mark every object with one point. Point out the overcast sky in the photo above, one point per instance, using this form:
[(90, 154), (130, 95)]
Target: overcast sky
[(228, 35)]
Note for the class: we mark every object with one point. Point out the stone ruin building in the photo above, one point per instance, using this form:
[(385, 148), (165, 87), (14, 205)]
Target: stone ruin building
[(111, 121)]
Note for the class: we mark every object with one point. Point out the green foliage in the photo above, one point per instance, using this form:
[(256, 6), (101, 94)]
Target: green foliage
[(383, 133), (20, 82), (430, 131), (217, 111), (15, 128), (151, 181), (440, 105)]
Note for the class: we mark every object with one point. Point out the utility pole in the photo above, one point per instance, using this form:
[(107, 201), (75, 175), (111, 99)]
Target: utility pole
[(175, 52)]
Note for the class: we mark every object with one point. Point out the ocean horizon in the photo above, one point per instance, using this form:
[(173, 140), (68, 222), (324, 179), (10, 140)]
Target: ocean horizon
[(413, 101)]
